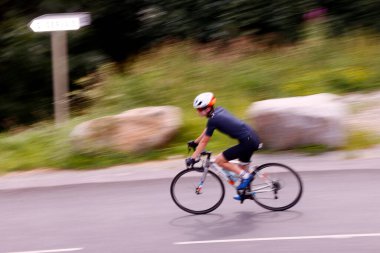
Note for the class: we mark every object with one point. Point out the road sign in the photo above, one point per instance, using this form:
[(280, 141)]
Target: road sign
[(60, 22)]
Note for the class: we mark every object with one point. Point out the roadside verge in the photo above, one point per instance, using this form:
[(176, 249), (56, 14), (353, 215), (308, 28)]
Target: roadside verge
[(337, 160)]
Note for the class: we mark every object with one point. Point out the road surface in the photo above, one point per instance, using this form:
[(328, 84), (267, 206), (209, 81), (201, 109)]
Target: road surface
[(339, 212)]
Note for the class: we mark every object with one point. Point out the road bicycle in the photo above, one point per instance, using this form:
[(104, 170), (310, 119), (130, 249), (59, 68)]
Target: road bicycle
[(200, 190)]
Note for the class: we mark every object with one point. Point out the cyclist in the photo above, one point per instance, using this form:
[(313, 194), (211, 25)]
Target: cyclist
[(220, 119)]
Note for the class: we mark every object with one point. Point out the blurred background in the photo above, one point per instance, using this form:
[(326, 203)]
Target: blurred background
[(138, 53)]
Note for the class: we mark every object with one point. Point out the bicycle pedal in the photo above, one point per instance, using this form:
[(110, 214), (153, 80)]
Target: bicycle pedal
[(243, 196)]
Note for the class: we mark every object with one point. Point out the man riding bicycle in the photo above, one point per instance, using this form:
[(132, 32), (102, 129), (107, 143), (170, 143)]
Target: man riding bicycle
[(220, 119)]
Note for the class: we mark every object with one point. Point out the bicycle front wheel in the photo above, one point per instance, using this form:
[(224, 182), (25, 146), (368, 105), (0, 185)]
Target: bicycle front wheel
[(276, 187), (189, 194)]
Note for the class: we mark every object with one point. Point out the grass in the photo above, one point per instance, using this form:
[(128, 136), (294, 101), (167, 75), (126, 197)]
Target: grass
[(175, 74), (361, 140)]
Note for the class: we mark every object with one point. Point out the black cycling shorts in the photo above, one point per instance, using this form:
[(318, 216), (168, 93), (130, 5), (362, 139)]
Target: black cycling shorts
[(243, 151)]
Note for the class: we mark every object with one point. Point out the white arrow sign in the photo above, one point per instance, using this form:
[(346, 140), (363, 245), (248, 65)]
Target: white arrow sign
[(60, 22)]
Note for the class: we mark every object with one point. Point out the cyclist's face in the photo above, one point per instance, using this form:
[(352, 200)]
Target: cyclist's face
[(203, 111)]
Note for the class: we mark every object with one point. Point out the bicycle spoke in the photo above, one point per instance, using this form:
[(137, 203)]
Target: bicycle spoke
[(276, 187), (184, 191)]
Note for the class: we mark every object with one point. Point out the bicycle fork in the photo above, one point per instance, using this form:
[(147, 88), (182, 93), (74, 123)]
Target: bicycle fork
[(198, 189)]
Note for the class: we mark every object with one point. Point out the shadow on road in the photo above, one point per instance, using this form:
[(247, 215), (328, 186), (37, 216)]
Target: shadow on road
[(218, 226)]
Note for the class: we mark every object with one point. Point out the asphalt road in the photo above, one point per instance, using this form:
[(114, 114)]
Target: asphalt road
[(339, 212)]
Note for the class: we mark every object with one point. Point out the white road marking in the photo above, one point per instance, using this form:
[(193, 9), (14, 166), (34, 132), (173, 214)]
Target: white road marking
[(50, 251), (344, 236)]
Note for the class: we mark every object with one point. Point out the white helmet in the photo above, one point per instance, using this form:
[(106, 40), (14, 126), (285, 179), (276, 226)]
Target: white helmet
[(203, 100)]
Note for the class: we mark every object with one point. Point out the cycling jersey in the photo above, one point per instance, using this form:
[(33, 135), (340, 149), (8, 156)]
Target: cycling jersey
[(226, 123)]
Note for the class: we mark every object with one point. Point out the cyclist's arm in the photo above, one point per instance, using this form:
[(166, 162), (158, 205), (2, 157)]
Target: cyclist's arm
[(198, 140), (201, 146)]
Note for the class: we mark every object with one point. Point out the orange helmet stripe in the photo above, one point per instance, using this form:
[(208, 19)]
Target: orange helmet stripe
[(212, 102)]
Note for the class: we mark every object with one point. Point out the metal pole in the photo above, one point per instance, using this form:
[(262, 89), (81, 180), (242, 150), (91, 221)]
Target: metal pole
[(60, 76)]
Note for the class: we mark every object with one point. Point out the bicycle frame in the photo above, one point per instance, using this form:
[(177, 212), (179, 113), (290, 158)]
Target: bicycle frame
[(210, 164), (190, 193)]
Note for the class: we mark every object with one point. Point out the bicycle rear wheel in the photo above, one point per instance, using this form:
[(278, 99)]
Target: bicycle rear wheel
[(276, 187), (187, 195)]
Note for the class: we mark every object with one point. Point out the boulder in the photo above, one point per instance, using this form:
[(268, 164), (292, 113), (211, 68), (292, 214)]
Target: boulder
[(131, 131), (365, 111), (287, 123)]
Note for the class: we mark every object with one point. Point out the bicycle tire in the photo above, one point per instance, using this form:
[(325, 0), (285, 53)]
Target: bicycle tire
[(182, 190), (277, 175)]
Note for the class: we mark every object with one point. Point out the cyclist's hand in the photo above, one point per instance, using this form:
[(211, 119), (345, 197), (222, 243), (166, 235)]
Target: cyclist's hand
[(190, 161), (192, 144)]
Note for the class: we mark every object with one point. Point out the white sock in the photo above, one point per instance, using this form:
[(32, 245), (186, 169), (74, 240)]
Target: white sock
[(244, 175)]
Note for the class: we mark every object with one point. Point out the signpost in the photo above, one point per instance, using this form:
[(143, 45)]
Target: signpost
[(58, 24)]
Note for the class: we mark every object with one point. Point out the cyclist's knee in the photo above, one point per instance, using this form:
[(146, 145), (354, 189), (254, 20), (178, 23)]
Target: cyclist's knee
[(220, 160)]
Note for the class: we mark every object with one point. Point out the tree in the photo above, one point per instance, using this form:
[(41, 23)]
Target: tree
[(348, 15)]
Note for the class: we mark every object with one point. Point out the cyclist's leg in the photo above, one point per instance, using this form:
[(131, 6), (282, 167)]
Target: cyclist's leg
[(223, 159), (230, 154), (246, 149), (249, 147)]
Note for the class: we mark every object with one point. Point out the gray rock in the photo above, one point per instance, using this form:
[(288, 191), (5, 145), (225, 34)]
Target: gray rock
[(287, 123), (365, 111), (131, 131)]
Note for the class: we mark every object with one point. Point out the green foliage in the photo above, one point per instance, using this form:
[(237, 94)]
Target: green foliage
[(175, 74), (361, 140), (209, 20), (121, 30), (25, 65), (313, 149), (345, 15)]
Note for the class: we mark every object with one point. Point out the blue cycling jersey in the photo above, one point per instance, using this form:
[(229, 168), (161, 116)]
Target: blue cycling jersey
[(226, 123)]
